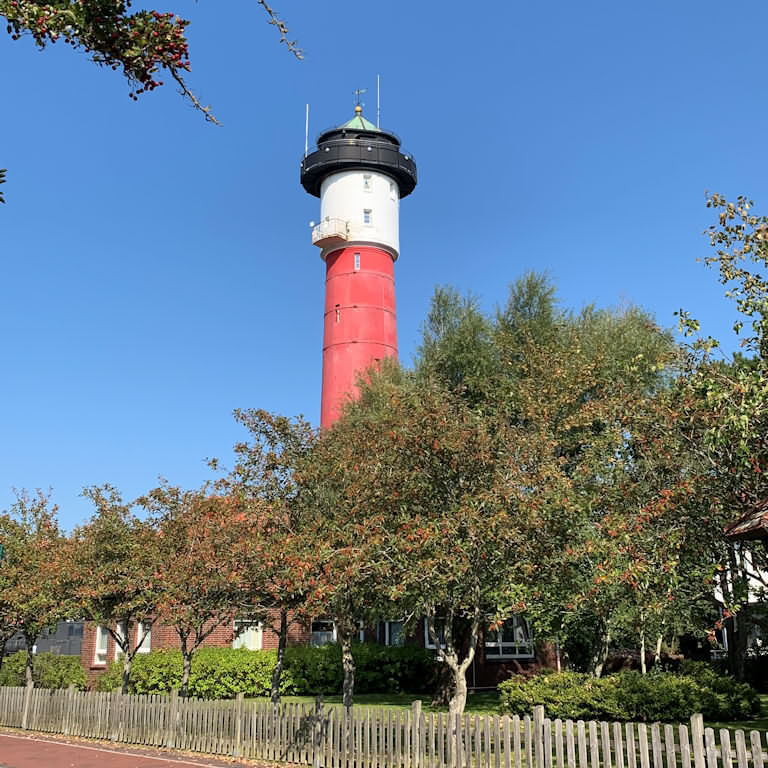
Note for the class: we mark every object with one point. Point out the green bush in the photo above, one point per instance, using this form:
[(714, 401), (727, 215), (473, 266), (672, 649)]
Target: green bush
[(220, 673), (217, 673), (378, 669), (48, 671), (630, 696)]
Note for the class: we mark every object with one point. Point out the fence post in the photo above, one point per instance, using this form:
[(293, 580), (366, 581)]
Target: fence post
[(25, 711), (538, 735), (239, 725), (68, 707), (415, 740), (697, 740), (317, 726), (114, 715), (173, 710)]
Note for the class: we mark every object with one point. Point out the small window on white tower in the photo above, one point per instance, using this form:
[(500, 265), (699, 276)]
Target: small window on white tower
[(367, 186), (357, 261), (367, 216), (392, 191)]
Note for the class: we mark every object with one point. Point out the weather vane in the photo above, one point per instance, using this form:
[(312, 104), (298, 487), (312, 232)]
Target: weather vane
[(358, 93)]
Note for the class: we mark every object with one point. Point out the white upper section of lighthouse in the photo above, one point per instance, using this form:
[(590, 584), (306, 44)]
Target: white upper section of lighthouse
[(358, 206)]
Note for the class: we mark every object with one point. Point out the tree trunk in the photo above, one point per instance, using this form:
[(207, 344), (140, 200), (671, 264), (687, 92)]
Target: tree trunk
[(29, 680), (657, 655), (2, 651), (444, 689), (643, 668), (459, 698), (348, 663), (450, 656), (738, 631), (127, 662), (186, 655), (277, 672), (600, 656)]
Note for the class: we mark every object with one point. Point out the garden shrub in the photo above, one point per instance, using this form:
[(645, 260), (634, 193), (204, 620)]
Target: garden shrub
[(379, 669), (660, 696), (224, 672), (48, 671), (217, 673)]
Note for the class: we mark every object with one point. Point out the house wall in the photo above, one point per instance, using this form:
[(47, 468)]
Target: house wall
[(165, 636), (484, 672)]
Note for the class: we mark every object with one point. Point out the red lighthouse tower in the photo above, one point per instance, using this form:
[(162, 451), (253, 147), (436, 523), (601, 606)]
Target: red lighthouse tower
[(360, 174)]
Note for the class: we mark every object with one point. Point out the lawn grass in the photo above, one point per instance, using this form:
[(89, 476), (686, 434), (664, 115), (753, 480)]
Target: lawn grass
[(477, 703), (758, 724), (487, 703)]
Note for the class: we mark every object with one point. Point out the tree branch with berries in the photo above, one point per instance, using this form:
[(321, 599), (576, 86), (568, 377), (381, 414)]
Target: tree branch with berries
[(141, 43)]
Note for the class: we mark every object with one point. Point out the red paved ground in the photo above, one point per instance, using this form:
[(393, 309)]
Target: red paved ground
[(23, 751)]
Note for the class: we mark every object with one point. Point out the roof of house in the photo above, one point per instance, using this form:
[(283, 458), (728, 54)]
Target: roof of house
[(752, 525)]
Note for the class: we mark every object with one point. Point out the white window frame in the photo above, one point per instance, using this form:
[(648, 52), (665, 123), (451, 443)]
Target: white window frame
[(367, 216), (510, 649), (99, 655), (440, 627), (247, 627), (388, 632), (368, 182), (332, 633), (144, 635), (357, 261)]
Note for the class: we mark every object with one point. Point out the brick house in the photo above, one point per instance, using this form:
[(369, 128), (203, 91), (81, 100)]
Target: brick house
[(499, 654)]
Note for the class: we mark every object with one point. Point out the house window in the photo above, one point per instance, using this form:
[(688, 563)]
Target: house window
[(75, 629), (512, 641), (357, 261), (120, 633), (367, 216), (393, 633), (247, 635), (439, 631), (367, 186), (100, 655), (323, 632), (145, 636)]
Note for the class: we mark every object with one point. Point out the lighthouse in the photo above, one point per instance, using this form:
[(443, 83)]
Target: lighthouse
[(360, 173)]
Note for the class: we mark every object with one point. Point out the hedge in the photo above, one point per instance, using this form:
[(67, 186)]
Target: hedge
[(48, 671), (630, 696), (220, 673)]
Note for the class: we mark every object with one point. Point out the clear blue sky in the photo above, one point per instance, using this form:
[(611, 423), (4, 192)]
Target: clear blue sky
[(157, 272)]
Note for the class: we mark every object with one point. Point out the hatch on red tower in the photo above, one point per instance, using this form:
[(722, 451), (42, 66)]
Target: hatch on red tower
[(360, 174)]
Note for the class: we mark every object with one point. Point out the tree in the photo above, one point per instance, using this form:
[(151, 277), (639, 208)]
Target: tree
[(201, 583), (139, 43), (723, 406), (116, 565), (10, 531), (278, 560), (35, 565), (575, 383), (428, 511)]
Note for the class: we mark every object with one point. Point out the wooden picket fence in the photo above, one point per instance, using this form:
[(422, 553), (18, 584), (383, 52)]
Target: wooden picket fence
[(333, 737)]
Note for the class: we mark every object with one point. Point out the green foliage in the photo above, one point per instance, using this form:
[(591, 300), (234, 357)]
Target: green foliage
[(139, 43), (49, 671), (631, 696), (378, 669), (222, 673)]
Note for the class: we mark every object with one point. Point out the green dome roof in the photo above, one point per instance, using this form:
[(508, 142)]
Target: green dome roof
[(358, 123)]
